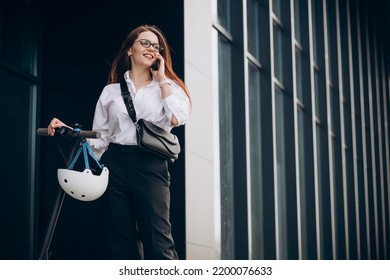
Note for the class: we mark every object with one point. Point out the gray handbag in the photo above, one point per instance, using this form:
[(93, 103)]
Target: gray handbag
[(151, 137)]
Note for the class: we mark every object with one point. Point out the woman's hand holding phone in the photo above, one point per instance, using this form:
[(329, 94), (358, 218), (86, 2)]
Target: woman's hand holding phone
[(156, 65), (158, 68)]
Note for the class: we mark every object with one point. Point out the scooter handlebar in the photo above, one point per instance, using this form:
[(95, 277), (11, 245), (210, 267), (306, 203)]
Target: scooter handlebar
[(81, 134)]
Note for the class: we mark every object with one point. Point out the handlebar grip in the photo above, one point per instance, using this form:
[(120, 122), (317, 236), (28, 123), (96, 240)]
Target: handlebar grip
[(83, 133), (42, 132), (89, 134)]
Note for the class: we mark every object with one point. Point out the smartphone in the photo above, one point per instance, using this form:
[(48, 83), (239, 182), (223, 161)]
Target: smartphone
[(155, 65)]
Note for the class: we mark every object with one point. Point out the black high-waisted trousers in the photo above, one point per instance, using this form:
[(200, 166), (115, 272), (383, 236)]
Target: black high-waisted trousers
[(136, 204)]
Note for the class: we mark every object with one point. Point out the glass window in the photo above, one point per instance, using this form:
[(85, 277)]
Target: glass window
[(332, 46), (281, 174), (324, 233), (319, 156), (299, 74), (226, 148), (224, 14), (318, 57), (277, 8), (335, 156), (17, 41), (16, 95), (301, 143), (333, 109), (278, 53), (302, 181), (315, 18), (297, 20), (317, 94), (324, 212), (253, 14), (256, 183)]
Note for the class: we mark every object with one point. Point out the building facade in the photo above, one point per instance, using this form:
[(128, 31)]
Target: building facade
[(286, 154), (288, 147)]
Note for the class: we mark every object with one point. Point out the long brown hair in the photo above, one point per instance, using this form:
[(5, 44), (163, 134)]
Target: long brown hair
[(122, 61)]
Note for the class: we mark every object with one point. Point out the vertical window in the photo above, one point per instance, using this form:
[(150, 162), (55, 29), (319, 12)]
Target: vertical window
[(366, 127), (281, 174), (279, 97), (359, 182), (384, 147), (348, 146), (278, 53), (298, 20), (234, 197), (277, 8), (308, 248), (304, 132), (335, 107), (282, 248), (299, 77), (226, 148), (324, 233), (280, 139), (375, 142), (18, 97), (301, 127), (317, 91), (253, 26), (256, 183), (224, 14), (284, 124), (262, 219), (300, 105)]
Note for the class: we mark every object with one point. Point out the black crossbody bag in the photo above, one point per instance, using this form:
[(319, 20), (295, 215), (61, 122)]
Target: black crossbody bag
[(151, 137)]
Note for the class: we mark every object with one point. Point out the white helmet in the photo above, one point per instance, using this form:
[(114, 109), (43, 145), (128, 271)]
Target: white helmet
[(84, 185)]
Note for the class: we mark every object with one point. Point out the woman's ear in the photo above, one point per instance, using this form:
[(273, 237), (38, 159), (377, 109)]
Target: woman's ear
[(129, 52)]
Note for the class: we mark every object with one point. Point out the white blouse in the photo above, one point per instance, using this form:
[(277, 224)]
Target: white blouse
[(114, 124)]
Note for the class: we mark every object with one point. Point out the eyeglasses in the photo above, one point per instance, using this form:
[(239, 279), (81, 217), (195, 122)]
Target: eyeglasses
[(146, 44)]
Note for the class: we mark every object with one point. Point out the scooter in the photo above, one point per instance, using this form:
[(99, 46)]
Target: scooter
[(79, 144)]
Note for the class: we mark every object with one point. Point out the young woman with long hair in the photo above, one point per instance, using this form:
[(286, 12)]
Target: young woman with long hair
[(137, 199)]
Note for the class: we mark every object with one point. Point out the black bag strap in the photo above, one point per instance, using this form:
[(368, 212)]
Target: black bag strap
[(128, 100)]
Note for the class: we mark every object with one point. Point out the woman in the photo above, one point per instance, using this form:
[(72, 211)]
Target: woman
[(137, 199)]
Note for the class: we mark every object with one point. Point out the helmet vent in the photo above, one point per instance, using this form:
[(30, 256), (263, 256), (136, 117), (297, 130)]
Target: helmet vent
[(83, 195), (72, 192), (66, 181)]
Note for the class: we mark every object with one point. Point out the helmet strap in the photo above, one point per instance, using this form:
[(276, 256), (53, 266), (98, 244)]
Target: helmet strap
[(86, 148)]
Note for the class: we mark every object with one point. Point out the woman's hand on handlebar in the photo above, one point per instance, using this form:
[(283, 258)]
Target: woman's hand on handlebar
[(55, 123)]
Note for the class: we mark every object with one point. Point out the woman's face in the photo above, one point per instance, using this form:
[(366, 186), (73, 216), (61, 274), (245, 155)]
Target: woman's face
[(140, 54)]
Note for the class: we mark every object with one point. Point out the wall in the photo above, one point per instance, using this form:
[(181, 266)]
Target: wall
[(202, 157)]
